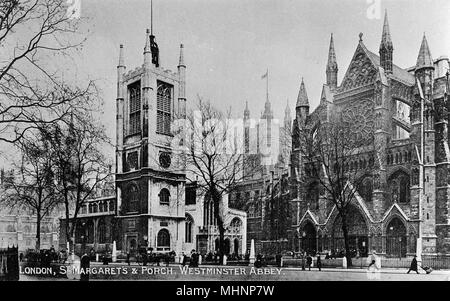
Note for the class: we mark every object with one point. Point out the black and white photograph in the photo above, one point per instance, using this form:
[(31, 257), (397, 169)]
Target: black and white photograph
[(253, 141)]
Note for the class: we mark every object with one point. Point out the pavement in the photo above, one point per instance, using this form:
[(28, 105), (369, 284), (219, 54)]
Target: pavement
[(121, 271)]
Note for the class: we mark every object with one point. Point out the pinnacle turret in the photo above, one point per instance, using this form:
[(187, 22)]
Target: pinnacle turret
[(424, 59), (332, 67), (386, 47), (302, 99)]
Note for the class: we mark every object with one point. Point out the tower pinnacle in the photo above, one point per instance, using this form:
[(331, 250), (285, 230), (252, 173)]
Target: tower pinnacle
[(332, 67), (424, 59), (386, 47), (302, 99)]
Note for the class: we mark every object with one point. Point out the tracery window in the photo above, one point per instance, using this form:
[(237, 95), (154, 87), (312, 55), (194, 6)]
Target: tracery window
[(163, 108), (189, 224), (134, 92), (313, 195), (101, 232), (365, 189), (133, 194), (399, 187), (163, 240)]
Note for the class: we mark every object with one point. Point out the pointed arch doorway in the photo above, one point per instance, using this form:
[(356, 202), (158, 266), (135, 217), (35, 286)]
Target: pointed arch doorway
[(308, 238)]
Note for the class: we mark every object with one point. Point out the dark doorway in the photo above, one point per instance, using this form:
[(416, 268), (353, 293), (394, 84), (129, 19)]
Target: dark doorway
[(226, 249), (396, 238), (308, 239)]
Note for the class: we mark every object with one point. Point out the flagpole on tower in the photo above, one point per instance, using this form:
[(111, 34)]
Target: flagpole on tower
[(267, 85), (151, 17)]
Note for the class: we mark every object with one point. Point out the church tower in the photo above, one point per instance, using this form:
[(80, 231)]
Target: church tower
[(150, 168)]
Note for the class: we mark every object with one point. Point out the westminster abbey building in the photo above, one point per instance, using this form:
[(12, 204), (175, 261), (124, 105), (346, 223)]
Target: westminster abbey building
[(404, 201)]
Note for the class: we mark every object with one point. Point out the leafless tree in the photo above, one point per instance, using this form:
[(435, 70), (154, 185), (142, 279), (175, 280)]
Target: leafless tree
[(33, 188), (328, 152), (80, 164), (214, 158), (33, 34)]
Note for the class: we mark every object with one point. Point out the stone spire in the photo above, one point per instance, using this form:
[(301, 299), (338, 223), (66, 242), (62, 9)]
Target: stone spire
[(287, 111), (386, 36), (332, 67), (424, 58), (287, 115), (386, 47), (246, 111), (302, 99)]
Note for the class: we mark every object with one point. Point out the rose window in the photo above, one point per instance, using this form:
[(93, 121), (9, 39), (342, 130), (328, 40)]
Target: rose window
[(358, 116)]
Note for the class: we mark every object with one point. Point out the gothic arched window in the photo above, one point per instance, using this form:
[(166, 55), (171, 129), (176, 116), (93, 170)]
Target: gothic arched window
[(90, 232), (133, 197), (365, 189), (134, 94), (101, 232), (163, 108), (399, 185), (163, 240), (164, 196), (313, 193), (189, 225)]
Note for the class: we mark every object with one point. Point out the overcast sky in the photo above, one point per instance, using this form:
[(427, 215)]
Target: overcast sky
[(229, 44)]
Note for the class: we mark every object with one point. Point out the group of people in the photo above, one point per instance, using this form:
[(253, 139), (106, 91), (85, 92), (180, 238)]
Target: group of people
[(147, 256), (307, 261), (194, 259), (45, 257)]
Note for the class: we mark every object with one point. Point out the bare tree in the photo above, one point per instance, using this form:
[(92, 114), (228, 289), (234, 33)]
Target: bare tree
[(214, 158), (33, 34), (33, 188), (328, 152), (78, 158)]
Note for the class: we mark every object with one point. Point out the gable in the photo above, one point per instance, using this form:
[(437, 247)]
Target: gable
[(361, 72)]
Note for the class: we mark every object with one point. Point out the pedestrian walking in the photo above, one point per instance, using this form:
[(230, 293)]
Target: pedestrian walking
[(84, 264), (128, 257), (373, 260), (413, 266), (319, 263), (309, 262)]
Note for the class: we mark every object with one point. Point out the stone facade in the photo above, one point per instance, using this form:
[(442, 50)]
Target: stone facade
[(382, 99)]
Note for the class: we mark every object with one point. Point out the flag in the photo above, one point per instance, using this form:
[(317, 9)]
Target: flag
[(265, 75)]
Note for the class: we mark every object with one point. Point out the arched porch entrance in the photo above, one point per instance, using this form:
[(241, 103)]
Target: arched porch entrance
[(308, 241), (357, 234), (396, 240)]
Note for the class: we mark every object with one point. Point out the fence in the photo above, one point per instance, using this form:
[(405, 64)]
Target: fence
[(9, 264), (438, 262)]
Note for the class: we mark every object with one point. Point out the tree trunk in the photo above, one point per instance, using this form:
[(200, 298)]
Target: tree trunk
[(38, 231), (216, 198), (221, 240), (346, 240)]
